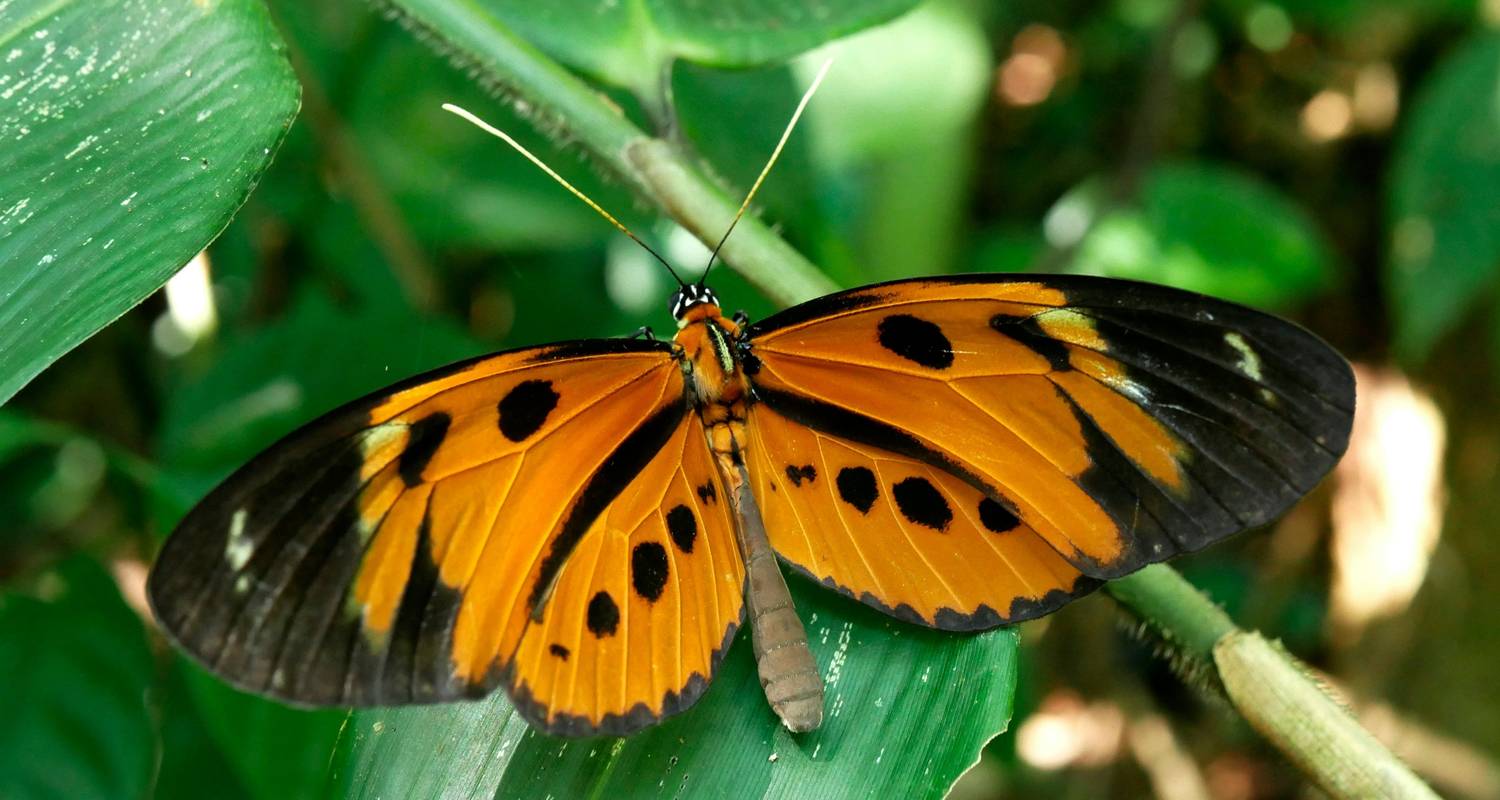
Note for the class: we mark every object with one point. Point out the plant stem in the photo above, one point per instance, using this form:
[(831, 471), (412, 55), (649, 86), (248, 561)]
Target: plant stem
[(1275, 692), (565, 106), (1162, 598), (1265, 683)]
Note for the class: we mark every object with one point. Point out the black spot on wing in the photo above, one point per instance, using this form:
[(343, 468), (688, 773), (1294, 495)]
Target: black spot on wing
[(1028, 332), (603, 616), (797, 474), (997, 518), (559, 651), (422, 440), (683, 527), (916, 340), (707, 493), (857, 487), (648, 570), (525, 407), (851, 425), (921, 503)]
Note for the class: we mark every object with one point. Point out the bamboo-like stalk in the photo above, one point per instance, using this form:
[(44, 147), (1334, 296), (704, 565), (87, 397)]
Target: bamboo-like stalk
[(1263, 682), (1270, 688)]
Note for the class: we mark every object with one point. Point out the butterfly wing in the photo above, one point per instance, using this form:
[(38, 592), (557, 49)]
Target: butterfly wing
[(427, 542), (1118, 423), (646, 606)]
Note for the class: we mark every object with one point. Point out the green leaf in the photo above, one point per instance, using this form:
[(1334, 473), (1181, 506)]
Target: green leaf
[(1445, 198), (53, 474), (76, 666), (1202, 227), (908, 710), (192, 764), (276, 752), (132, 130), (628, 43)]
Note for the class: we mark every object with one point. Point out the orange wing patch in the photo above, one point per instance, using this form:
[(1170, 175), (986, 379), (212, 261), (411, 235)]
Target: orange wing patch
[(396, 550), (900, 535), (1122, 422), (641, 614)]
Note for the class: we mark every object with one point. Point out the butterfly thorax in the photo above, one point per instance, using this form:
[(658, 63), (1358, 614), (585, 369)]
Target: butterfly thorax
[(716, 385)]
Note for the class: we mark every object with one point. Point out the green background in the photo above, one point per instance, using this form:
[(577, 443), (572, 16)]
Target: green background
[(1332, 161)]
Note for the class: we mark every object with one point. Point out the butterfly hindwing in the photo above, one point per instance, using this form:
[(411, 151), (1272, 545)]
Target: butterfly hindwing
[(398, 549), (1121, 422), (646, 606), (901, 535)]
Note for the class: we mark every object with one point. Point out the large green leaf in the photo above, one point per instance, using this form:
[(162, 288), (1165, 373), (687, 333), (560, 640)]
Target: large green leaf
[(1207, 228), (908, 710), (75, 666), (276, 752), (629, 43), (132, 131), (1445, 198)]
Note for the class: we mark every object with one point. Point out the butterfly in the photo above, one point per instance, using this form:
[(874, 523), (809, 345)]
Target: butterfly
[(588, 524)]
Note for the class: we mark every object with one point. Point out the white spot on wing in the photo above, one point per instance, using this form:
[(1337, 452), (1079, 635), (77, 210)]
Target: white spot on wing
[(1249, 360), (239, 548), (380, 436)]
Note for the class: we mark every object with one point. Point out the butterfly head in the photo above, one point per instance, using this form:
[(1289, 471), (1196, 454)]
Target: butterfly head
[(691, 295)]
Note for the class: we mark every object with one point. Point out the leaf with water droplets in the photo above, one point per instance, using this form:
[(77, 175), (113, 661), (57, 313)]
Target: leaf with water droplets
[(907, 711), (130, 132)]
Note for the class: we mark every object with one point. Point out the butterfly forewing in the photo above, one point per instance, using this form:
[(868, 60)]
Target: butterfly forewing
[(1122, 422), (399, 549)]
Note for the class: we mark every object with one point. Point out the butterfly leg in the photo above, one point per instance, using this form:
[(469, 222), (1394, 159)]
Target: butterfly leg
[(788, 673), (741, 318), (644, 332)]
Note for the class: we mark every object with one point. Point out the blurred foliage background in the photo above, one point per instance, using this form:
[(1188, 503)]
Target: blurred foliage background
[(1334, 161)]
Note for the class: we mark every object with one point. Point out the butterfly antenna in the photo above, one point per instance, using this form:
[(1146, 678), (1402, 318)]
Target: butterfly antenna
[(775, 154), (496, 132)]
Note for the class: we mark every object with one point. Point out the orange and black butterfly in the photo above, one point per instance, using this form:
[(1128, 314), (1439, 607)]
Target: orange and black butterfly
[(588, 524)]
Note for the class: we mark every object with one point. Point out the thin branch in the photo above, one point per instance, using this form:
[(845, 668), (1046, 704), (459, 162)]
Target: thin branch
[(1275, 693)]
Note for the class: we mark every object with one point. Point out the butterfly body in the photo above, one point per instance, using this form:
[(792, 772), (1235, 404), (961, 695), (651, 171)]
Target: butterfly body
[(712, 349), (588, 524)]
